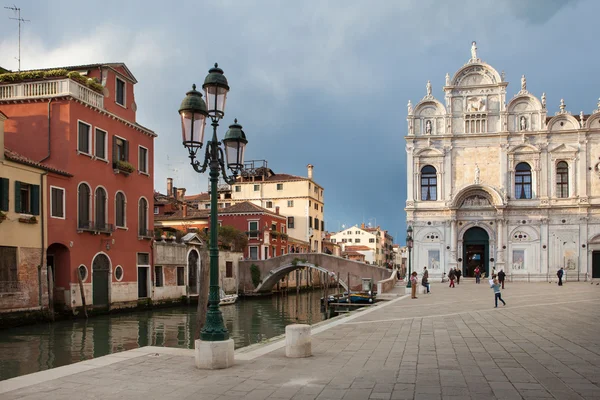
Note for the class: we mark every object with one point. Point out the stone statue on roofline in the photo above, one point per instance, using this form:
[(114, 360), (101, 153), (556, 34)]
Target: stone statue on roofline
[(428, 88), (523, 83), (474, 50), (410, 107)]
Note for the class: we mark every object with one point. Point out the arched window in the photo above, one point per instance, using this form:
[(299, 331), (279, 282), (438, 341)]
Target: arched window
[(100, 211), (523, 181), (562, 180), (428, 183), (143, 217), (83, 206), (120, 210)]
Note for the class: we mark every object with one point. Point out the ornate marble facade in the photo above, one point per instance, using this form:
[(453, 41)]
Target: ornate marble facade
[(529, 181)]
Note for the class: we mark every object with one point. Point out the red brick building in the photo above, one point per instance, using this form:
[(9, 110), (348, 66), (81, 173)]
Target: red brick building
[(82, 120)]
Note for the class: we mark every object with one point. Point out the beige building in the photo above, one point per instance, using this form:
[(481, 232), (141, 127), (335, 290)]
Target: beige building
[(300, 199), (356, 236), (501, 182)]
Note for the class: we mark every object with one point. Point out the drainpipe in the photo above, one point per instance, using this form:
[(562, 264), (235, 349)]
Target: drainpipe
[(43, 238), (49, 120)]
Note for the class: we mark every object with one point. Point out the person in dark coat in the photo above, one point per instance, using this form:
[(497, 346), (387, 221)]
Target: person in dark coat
[(451, 276), (501, 277), (458, 274), (560, 274)]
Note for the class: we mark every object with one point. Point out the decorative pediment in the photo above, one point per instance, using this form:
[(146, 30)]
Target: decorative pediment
[(523, 148), (192, 239), (564, 148), (476, 74), (563, 122), (429, 152), (476, 201)]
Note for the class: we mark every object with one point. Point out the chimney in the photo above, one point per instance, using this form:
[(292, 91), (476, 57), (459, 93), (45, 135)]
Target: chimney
[(180, 193), (185, 211), (174, 193), (277, 210), (362, 226), (169, 186), (310, 171)]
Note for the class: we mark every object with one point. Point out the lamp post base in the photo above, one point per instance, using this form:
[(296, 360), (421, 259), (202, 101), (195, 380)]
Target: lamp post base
[(214, 355)]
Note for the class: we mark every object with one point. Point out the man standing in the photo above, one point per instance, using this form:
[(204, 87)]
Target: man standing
[(501, 276), (458, 274), (477, 274), (560, 274)]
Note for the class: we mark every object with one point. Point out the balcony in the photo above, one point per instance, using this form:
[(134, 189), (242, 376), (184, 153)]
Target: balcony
[(51, 88), (95, 227), (123, 167), (144, 233)]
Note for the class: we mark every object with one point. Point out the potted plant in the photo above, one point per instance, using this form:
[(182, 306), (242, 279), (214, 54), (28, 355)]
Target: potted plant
[(28, 219), (124, 166)]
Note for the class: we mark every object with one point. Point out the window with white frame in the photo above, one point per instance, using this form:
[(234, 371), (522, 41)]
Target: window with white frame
[(523, 181), (562, 180), (156, 211), (253, 252), (269, 204), (280, 186), (120, 209), (84, 138), (100, 145), (290, 222), (57, 202), (290, 203), (238, 189), (256, 188), (253, 229), (143, 159), (120, 92)]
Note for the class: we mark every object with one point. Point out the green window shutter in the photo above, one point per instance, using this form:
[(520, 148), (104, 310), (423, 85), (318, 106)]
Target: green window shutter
[(114, 150), (35, 199), (126, 150), (17, 196), (4, 194)]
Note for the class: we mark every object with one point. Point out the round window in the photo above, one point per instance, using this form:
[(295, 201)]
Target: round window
[(83, 272), (119, 273)]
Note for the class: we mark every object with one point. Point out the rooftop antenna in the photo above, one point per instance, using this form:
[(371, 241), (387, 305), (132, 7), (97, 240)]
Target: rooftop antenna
[(17, 10)]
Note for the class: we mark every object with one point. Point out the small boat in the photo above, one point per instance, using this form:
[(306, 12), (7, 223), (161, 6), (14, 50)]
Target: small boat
[(227, 299), (358, 297)]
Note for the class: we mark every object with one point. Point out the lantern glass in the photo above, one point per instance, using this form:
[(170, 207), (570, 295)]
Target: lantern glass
[(234, 152), (216, 96), (192, 128)]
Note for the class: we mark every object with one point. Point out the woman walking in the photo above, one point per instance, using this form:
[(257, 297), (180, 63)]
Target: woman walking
[(414, 281), (497, 294), (451, 276)]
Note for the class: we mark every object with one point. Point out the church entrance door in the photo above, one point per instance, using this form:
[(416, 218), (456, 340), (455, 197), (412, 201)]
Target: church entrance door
[(475, 252)]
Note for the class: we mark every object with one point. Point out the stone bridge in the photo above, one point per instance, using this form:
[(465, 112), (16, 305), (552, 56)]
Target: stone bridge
[(274, 269)]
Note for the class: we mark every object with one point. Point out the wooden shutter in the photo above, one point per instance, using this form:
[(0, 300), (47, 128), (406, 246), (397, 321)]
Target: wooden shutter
[(126, 147), (114, 151), (35, 199), (17, 196), (3, 194)]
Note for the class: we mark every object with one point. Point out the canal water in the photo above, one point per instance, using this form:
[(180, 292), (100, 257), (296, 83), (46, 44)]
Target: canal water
[(28, 349)]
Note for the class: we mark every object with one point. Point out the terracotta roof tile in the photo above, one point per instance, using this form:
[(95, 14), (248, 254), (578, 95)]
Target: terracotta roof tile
[(197, 197), (246, 208), (192, 213), (358, 248), (18, 158)]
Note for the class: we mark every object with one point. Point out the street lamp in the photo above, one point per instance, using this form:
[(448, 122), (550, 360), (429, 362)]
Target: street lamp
[(409, 244), (194, 112)]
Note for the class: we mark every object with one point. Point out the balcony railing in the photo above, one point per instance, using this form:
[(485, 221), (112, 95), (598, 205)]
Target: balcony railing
[(95, 226), (51, 88), (145, 233), (9, 286)]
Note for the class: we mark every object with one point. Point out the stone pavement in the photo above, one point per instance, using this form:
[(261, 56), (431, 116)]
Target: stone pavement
[(451, 344)]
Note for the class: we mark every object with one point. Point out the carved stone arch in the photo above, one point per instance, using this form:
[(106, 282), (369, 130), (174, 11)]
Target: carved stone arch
[(485, 191), (523, 148), (476, 74), (594, 240), (472, 224), (429, 231), (525, 113), (428, 152), (429, 117), (532, 103), (593, 121), (563, 122), (533, 233)]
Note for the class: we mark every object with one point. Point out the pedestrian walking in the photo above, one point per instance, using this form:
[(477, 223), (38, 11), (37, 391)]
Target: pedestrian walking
[(497, 294), (560, 274), (425, 281), (477, 274), (501, 277), (458, 274), (451, 276), (413, 285)]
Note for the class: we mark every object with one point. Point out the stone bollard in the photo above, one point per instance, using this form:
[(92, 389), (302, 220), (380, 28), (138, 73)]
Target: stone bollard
[(298, 341)]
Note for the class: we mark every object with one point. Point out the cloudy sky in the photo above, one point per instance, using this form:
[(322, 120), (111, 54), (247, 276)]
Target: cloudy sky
[(315, 81)]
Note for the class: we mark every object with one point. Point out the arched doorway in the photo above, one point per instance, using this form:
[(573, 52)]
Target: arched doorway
[(100, 280), (193, 272), (476, 251), (58, 261)]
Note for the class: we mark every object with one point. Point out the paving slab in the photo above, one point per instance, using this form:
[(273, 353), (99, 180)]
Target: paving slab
[(451, 344)]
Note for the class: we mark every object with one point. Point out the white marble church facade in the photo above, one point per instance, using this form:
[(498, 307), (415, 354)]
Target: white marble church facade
[(499, 183)]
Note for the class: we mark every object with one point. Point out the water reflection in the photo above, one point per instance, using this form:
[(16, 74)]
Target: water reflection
[(38, 347)]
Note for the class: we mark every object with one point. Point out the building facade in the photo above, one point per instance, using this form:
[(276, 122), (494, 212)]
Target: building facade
[(360, 236), (82, 120), (300, 199), (499, 182)]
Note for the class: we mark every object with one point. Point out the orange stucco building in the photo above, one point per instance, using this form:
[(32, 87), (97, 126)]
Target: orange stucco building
[(82, 120)]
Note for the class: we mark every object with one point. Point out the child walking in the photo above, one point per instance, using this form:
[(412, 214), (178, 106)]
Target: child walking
[(497, 294)]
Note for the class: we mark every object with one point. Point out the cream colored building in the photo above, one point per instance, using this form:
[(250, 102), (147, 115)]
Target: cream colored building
[(23, 232), (299, 198), (359, 236), (501, 182)]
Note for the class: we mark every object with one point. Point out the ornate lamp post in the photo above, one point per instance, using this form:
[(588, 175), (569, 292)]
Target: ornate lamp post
[(409, 244), (194, 111)]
